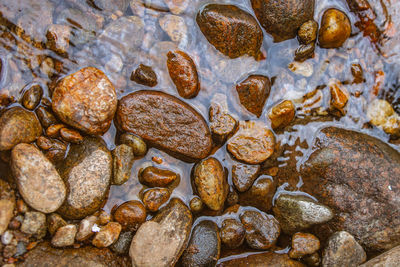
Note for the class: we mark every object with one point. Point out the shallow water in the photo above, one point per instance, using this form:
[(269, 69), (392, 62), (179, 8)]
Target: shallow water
[(117, 57)]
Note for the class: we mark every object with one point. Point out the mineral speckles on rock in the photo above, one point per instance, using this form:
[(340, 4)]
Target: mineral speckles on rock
[(86, 100), (7, 204), (253, 93)]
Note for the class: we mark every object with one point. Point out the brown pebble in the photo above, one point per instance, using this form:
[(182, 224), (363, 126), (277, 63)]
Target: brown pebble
[(335, 29), (32, 97), (103, 217), (71, 136), (44, 143), (253, 93), (22, 207), (307, 32), (357, 72), (339, 96), (282, 114), (46, 118), (154, 198), (15, 224), (157, 177), (130, 214), (303, 244), (54, 130), (183, 73), (136, 142), (232, 233), (304, 52), (196, 205), (144, 75), (107, 236)]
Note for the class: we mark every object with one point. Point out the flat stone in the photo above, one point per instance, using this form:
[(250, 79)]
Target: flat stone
[(65, 236), (390, 258)]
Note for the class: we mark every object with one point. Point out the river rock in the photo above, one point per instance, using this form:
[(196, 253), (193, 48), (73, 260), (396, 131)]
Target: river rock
[(253, 143), (34, 223), (210, 182), (166, 236), (130, 215), (32, 97), (231, 30), (86, 100), (253, 93), (204, 246), (18, 126), (355, 175), (145, 113), (44, 255), (335, 29), (282, 18), (85, 229), (87, 173), (156, 177), (243, 175), (121, 246), (266, 259), (260, 194), (122, 163), (54, 222), (7, 204), (65, 236), (144, 75), (343, 250), (155, 197), (107, 235), (136, 142), (222, 124), (112, 5), (303, 244), (38, 181), (298, 212), (390, 258), (262, 230), (232, 233)]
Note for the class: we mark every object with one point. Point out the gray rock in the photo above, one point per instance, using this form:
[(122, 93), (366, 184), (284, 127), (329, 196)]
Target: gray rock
[(297, 212), (166, 236), (7, 204), (390, 258), (204, 246), (87, 172), (343, 250), (38, 181), (122, 163), (34, 224), (65, 236), (121, 246)]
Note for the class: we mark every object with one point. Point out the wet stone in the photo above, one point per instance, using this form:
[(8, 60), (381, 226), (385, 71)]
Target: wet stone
[(269, 259), (243, 175), (253, 143), (304, 52), (166, 235), (32, 97), (262, 230), (339, 96), (282, 114), (54, 130), (175, 27), (204, 245), (232, 233), (222, 124), (71, 136), (85, 100), (343, 250), (156, 177), (7, 205), (107, 235), (313, 260), (388, 259), (121, 246), (210, 182), (103, 217), (38, 181), (144, 75), (381, 114), (142, 112), (123, 158), (335, 29), (307, 32), (303, 244), (34, 223), (58, 38), (231, 30), (87, 172), (18, 126), (65, 236), (46, 118), (298, 212), (260, 194), (357, 72), (54, 222), (183, 73), (154, 198), (177, 6), (136, 142), (111, 6), (282, 18), (196, 204), (85, 228), (253, 93), (130, 215)]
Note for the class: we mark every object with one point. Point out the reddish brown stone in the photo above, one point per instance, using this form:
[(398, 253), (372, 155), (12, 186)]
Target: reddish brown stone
[(54, 130), (183, 73), (282, 114), (144, 75), (130, 214), (253, 93), (335, 29), (266, 259), (244, 175), (260, 194), (303, 244), (230, 30), (165, 122), (154, 198), (156, 177), (282, 18), (71, 135)]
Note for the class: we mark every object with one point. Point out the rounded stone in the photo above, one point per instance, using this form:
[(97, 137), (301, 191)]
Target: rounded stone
[(335, 29), (157, 177), (130, 214), (303, 244), (232, 233), (155, 197), (253, 93)]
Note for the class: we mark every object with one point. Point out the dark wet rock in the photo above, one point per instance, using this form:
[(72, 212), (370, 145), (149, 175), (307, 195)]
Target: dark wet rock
[(282, 18), (87, 172), (253, 93), (343, 250), (357, 72), (130, 214), (85, 229), (282, 114), (231, 30), (196, 204), (307, 32), (54, 222), (156, 177), (354, 174), (53, 131), (71, 135), (107, 235), (204, 246), (86, 100), (145, 112), (303, 244), (304, 52), (166, 236), (243, 175), (44, 255), (46, 118), (222, 124), (313, 260), (18, 126), (335, 29), (65, 236), (232, 233), (121, 246), (262, 230), (260, 194), (388, 259), (154, 198), (183, 73), (266, 259), (34, 224), (38, 181), (210, 182), (253, 143), (122, 163), (58, 38), (298, 212), (7, 205), (32, 96), (144, 75), (233, 197), (136, 142)]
